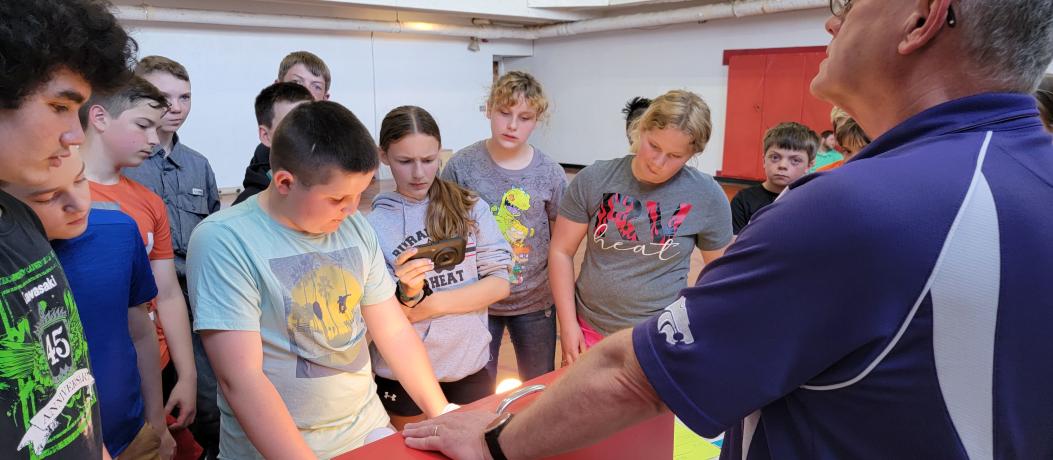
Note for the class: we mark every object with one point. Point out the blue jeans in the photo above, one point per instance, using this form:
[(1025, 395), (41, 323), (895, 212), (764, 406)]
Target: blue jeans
[(534, 339)]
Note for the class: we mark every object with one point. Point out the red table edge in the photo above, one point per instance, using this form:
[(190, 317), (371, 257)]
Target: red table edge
[(652, 439)]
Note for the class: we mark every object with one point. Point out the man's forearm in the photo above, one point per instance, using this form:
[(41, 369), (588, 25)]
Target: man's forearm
[(602, 394)]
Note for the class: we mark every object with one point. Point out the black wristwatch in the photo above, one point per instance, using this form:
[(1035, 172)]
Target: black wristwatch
[(493, 431)]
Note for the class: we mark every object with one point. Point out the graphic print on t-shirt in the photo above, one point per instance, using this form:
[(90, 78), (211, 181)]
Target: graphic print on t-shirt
[(323, 317), (627, 215), (44, 363), (513, 204)]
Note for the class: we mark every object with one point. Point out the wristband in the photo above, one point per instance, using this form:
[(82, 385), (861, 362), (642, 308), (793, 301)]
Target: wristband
[(406, 301)]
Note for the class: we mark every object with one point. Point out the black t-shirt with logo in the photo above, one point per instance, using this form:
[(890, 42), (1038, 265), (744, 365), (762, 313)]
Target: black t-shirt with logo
[(48, 404)]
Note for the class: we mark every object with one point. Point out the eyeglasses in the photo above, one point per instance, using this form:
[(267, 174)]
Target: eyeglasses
[(840, 8)]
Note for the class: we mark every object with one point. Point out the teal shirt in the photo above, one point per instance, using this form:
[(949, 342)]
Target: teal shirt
[(825, 158), (304, 294)]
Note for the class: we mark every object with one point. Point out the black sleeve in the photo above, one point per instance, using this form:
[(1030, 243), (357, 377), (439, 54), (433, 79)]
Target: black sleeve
[(256, 178), (740, 214)]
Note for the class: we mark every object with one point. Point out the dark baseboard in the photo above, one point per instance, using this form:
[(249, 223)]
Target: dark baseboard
[(732, 180)]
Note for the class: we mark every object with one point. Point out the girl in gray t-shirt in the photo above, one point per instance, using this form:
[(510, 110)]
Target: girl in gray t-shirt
[(523, 187), (642, 215)]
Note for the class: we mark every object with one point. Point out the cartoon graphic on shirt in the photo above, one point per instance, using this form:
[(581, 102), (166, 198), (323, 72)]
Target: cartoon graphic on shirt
[(44, 363), (513, 204), (323, 314), (626, 213)]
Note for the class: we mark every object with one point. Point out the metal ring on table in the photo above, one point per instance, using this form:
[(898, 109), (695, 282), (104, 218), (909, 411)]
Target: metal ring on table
[(518, 394)]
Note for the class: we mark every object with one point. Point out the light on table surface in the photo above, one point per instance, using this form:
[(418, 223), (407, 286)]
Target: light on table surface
[(508, 385)]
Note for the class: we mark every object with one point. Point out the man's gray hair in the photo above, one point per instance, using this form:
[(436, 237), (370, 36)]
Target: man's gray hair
[(1011, 40)]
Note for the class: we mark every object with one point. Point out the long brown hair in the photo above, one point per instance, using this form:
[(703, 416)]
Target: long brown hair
[(450, 206)]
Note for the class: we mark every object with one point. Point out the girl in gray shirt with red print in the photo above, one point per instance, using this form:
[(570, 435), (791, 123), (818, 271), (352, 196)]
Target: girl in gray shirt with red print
[(642, 215)]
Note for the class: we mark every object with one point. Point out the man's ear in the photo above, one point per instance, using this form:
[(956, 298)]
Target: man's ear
[(98, 118), (923, 25), (283, 181)]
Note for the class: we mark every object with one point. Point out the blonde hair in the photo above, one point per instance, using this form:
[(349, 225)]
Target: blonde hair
[(678, 109), (507, 90), (848, 133)]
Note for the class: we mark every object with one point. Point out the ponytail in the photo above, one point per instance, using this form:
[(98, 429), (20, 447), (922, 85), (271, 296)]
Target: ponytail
[(449, 211)]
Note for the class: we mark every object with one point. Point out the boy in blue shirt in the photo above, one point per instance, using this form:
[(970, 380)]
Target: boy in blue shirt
[(111, 281)]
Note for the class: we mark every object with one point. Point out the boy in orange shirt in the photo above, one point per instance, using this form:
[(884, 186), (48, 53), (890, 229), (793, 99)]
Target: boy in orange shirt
[(120, 131)]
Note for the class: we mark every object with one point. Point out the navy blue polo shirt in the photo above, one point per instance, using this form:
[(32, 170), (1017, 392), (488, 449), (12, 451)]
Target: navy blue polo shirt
[(934, 340)]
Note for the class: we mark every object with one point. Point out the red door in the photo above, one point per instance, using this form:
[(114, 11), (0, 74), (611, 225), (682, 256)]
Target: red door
[(765, 88)]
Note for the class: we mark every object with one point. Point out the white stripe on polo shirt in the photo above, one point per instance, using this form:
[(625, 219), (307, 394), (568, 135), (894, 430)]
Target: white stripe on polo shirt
[(964, 287)]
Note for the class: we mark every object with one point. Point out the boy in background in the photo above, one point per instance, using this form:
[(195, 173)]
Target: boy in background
[(305, 69), (184, 179), (827, 151), (272, 104), (121, 131), (789, 150)]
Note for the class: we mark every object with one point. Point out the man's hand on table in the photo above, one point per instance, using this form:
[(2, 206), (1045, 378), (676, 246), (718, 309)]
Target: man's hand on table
[(458, 435)]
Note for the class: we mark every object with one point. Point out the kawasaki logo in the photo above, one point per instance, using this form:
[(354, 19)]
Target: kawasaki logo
[(39, 289)]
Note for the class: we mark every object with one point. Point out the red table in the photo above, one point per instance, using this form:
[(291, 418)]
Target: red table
[(652, 439)]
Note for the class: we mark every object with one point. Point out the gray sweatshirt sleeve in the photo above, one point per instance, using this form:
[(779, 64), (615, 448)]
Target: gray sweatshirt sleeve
[(493, 255)]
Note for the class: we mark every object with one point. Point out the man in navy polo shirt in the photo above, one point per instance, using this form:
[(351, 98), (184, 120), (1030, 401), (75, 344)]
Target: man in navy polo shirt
[(935, 343)]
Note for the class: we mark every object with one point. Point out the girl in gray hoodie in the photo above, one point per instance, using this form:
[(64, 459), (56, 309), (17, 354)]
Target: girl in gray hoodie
[(452, 319)]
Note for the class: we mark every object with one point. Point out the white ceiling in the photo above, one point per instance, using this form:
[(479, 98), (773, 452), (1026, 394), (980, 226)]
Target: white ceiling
[(526, 12)]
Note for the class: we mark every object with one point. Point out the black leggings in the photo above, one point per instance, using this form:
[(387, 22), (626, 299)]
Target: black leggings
[(467, 390)]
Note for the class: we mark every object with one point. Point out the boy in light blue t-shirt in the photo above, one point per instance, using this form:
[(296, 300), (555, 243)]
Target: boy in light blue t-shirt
[(285, 286)]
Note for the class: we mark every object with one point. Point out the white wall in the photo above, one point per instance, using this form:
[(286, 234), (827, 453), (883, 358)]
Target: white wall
[(589, 78), (371, 75)]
